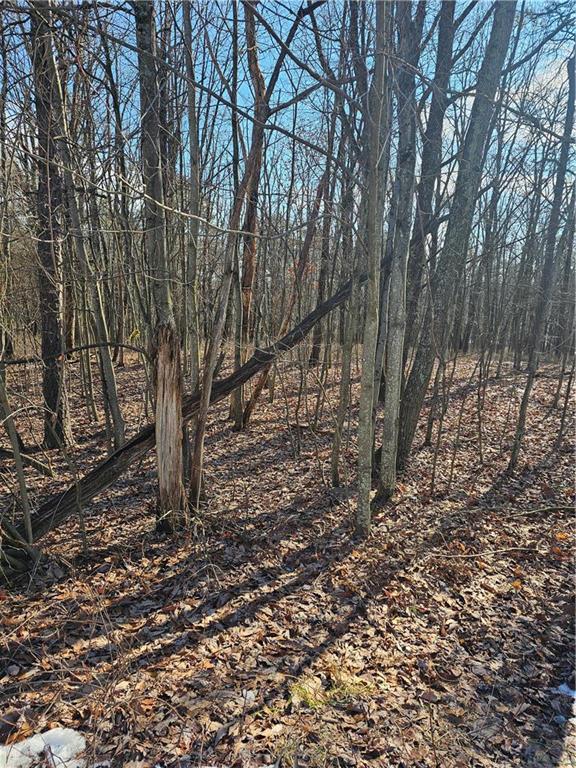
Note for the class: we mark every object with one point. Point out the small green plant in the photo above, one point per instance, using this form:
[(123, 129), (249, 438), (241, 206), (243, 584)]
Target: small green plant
[(310, 693), (344, 686)]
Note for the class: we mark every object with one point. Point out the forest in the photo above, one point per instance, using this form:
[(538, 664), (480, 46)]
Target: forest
[(287, 383)]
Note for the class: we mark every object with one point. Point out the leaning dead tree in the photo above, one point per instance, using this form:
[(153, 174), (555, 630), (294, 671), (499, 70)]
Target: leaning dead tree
[(17, 555)]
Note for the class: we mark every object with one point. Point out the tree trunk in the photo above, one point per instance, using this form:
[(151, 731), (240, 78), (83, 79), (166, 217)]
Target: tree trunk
[(373, 200), (431, 160), (166, 345), (194, 207), (49, 213), (410, 32)]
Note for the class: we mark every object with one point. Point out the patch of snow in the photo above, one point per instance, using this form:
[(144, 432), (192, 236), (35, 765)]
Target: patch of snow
[(61, 747)]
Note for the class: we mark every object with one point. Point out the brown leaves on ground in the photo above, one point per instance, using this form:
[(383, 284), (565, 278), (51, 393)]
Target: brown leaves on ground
[(273, 638)]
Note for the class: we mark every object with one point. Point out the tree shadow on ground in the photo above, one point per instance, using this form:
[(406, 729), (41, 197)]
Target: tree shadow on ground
[(512, 709)]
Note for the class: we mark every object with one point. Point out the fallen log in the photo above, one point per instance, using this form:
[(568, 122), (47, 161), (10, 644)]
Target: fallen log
[(58, 507)]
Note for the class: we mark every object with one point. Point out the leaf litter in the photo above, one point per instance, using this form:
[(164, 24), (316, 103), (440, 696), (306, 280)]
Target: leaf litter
[(271, 637)]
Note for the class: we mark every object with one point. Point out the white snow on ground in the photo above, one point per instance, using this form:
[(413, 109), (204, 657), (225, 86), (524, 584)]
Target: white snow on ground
[(59, 747)]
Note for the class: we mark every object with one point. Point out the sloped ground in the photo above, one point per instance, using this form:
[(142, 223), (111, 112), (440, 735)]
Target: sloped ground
[(273, 638)]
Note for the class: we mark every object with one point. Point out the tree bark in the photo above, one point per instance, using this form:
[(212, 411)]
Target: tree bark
[(49, 215)]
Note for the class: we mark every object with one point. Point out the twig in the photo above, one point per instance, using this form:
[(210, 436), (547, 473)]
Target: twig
[(491, 552)]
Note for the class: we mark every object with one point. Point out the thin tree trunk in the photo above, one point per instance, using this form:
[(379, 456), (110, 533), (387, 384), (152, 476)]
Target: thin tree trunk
[(194, 205), (373, 200), (431, 160), (296, 288), (347, 337)]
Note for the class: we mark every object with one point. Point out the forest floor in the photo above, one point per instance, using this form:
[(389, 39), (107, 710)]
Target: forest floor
[(271, 637)]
